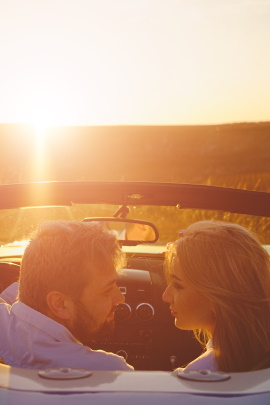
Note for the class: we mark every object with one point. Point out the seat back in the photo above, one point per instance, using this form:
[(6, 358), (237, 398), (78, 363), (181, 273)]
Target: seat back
[(9, 273)]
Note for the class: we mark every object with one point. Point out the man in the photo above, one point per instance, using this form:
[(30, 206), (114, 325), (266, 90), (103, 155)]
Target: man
[(67, 297)]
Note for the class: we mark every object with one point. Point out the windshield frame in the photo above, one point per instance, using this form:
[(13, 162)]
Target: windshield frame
[(135, 193)]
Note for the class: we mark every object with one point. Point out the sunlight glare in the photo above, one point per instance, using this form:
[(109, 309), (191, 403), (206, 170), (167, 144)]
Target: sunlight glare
[(154, 62), (39, 162)]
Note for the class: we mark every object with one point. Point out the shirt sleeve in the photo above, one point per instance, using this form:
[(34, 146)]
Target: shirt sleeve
[(84, 357), (108, 361)]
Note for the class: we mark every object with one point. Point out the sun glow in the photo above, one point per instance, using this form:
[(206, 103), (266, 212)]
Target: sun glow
[(55, 93), (40, 163), (124, 62), (43, 101)]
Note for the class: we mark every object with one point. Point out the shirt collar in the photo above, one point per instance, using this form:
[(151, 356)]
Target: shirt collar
[(42, 322)]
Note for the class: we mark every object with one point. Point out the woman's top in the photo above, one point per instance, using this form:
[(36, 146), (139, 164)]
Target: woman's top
[(206, 361)]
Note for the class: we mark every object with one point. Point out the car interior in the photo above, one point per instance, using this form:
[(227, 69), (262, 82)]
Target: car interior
[(145, 334)]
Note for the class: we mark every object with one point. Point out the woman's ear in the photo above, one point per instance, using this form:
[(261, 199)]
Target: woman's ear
[(59, 305)]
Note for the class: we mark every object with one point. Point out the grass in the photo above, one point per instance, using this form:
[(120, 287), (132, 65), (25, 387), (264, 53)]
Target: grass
[(235, 155)]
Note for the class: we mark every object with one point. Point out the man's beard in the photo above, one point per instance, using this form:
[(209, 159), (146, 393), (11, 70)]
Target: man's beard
[(86, 331)]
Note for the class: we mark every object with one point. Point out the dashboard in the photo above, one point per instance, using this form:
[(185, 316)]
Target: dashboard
[(145, 334)]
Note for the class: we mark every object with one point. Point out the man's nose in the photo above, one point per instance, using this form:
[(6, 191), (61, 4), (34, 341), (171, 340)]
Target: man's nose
[(120, 298)]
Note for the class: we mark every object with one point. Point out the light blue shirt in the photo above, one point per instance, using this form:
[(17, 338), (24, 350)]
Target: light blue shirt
[(30, 339)]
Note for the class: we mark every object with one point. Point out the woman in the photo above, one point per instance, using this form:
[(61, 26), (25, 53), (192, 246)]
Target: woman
[(219, 286)]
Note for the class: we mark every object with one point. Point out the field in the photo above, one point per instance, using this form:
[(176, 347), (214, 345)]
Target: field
[(234, 155)]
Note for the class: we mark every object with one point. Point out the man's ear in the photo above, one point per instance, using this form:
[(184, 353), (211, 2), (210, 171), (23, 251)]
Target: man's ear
[(60, 305)]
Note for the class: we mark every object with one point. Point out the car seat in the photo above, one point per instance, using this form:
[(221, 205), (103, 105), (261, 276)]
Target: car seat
[(9, 273)]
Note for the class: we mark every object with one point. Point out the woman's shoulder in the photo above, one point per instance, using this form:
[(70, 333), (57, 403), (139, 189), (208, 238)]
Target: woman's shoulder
[(206, 361)]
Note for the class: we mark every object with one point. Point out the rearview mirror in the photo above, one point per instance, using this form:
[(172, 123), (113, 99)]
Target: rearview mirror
[(129, 231)]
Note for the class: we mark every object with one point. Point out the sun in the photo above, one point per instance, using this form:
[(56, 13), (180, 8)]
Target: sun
[(44, 104)]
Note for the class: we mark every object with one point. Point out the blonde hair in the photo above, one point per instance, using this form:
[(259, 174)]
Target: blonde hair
[(226, 263), (60, 255)]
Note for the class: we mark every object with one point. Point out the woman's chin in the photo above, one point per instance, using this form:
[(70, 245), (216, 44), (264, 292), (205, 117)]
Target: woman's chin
[(178, 324), (181, 325)]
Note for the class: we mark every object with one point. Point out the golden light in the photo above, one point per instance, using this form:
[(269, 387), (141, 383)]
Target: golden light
[(42, 103), (98, 63), (40, 166)]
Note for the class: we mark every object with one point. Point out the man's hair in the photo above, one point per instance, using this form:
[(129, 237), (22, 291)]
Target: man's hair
[(58, 255), (226, 263)]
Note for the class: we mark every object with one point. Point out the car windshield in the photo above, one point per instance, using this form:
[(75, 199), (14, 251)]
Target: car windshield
[(18, 224)]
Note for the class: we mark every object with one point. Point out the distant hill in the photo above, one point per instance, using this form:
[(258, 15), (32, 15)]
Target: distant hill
[(235, 155)]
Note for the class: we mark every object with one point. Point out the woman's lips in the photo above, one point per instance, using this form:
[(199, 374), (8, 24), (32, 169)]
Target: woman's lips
[(173, 313)]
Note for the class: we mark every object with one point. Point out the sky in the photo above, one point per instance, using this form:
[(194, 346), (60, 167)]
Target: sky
[(126, 62)]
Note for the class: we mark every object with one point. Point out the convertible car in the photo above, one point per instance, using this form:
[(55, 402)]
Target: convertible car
[(145, 333)]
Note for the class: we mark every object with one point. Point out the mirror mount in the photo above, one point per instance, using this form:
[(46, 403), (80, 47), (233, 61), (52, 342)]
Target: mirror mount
[(122, 212)]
